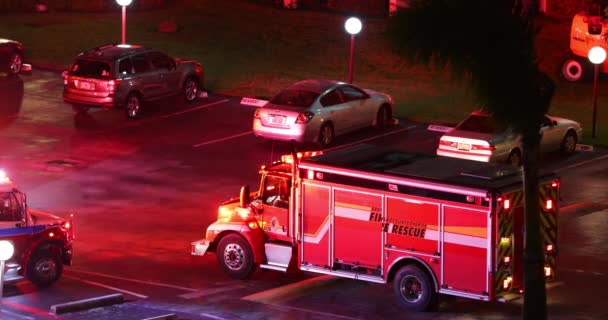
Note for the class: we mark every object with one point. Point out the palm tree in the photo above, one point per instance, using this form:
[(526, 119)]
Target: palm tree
[(491, 43)]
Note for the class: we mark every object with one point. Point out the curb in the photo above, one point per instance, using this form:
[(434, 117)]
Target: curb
[(87, 303), (49, 67), (170, 316), (293, 290)]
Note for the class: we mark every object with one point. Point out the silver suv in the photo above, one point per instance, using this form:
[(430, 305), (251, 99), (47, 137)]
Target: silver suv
[(118, 75)]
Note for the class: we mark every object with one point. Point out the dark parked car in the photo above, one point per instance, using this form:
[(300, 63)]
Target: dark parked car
[(11, 56), (119, 75)]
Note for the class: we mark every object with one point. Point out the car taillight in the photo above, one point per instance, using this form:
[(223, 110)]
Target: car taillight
[(448, 143), (198, 68), (64, 75), (256, 114), (304, 117), (112, 84), (481, 147)]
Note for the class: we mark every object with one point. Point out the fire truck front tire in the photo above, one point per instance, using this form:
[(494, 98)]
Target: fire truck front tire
[(44, 267), (235, 257), (414, 289)]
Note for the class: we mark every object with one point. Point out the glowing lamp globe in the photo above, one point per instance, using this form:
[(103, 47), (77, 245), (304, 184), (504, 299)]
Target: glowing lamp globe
[(353, 25), (124, 3), (6, 250), (597, 55)]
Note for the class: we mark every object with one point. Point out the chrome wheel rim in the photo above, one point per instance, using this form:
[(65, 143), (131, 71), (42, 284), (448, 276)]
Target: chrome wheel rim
[(15, 64), (191, 90), (411, 289), (570, 143), (46, 268), (234, 257), (133, 106), (326, 135)]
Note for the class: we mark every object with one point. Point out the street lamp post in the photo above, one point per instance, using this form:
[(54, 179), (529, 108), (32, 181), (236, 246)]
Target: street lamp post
[(597, 55), (6, 252), (352, 26), (124, 4)]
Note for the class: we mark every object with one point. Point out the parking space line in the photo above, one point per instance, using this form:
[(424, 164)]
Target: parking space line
[(194, 109), (108, 287), (324, 314), (208, 292), (580, 163), (222, 139), (158, 284), (212, 316), (371, 138)]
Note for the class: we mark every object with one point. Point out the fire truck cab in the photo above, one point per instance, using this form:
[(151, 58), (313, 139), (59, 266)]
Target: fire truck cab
[(42, 242), (428, 225)]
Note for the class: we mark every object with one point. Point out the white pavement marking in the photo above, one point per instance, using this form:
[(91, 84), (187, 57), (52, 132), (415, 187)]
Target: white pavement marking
[(194, 109), (14, 314), (595, 273), (108, 287), (212, 316), (222, 139), (158, 284), (208, 292), (581, 163), (371, 138)]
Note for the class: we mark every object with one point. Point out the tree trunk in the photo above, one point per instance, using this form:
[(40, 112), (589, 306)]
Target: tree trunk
[(535, 298)]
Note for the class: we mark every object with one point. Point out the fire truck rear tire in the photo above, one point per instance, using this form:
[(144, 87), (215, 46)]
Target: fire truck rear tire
[(414, 289), (44, 267), (235, 257)]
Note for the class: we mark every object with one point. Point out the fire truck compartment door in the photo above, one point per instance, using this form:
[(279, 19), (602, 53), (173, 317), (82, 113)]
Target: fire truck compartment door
[(466, 250), (357, 240), (315, 224)]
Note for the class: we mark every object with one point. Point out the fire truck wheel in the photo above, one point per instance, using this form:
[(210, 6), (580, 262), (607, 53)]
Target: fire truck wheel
[(44, 267), (235, 256), (515, 158), (414, 289)]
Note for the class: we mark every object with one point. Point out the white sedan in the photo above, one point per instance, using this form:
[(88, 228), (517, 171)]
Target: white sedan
[(478, 138), (316, 111)]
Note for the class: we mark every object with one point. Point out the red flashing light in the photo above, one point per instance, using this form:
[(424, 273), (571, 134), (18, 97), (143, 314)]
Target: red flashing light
[(507, 259), (549, 204), (198, 68), (549, 248), (554, 184), (507, 204)]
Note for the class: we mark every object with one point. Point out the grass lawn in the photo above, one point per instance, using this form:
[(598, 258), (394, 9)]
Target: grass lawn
[(253, 50)]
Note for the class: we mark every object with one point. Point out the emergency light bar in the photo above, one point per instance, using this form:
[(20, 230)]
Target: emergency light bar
[(307, 154), (3, 177)]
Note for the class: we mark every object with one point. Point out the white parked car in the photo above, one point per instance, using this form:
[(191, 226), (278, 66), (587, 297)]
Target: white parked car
[(478, 138), (316, 111)]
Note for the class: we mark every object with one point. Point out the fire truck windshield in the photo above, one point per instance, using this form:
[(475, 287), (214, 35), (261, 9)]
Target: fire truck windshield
[(9, 207)]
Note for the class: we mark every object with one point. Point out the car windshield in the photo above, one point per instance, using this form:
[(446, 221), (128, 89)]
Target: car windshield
[(480, 123), (91, 68), (296, 98)]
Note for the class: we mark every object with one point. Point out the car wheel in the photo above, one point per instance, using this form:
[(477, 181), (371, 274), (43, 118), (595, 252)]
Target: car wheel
[(79, 108), (190, 89), (133, 106), (414, 289), (568, 145), (573, 69), (235, 257), (514, 158), (382, 117), (44, 267), (326, 135), (15, 63)]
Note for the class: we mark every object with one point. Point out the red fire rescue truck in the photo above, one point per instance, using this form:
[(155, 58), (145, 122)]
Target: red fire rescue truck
[(42, 242), (430, 225)]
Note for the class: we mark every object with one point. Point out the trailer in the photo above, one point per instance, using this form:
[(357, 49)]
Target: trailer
[(429, 225)]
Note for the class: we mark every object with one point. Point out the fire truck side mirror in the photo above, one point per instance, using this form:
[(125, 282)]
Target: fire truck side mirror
[(244, 196)]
